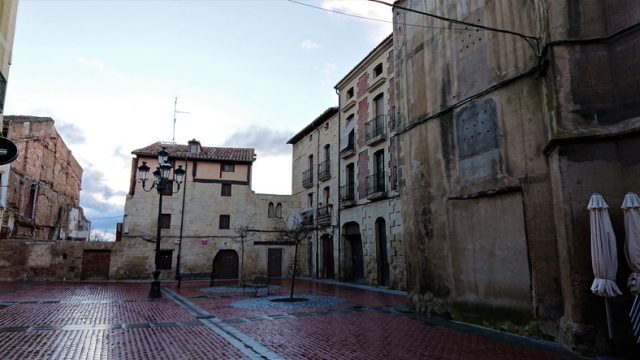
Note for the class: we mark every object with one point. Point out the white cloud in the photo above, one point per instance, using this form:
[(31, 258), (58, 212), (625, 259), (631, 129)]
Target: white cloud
[(379, 29), (309, 45)]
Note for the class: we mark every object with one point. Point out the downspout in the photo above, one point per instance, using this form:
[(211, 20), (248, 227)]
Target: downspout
[(339, 172), (317, 267)]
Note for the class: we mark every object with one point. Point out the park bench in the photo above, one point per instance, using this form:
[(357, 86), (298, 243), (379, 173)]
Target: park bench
[(260, 282)]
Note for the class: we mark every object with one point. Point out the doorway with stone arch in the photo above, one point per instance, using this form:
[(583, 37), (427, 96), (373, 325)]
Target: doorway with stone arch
[(353, 256), (382, 258), (225, 265)]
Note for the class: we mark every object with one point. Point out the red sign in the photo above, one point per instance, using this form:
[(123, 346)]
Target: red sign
[(205, 242)]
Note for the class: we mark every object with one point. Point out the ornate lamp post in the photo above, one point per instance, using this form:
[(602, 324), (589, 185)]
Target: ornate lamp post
[(162, 176)]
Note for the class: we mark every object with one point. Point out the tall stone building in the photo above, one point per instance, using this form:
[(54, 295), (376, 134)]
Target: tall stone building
[(371, 248), (42, 195), (206, 213), (503, 137), (315, 189)]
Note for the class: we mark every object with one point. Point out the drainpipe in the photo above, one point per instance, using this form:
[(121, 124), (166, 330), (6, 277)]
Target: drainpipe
[(184, 196), (338, 205), (317, 267)]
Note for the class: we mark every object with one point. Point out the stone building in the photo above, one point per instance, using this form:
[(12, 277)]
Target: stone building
[(503, 137), (8, 11), (371, 248), (207, 212), (42, 192), (315, 190)]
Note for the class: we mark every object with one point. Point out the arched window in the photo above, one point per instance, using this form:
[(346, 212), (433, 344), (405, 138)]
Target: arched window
[(271, 211), (279, 210)]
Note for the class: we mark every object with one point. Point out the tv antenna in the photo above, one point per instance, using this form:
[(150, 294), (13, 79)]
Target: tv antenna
[(176, 111)]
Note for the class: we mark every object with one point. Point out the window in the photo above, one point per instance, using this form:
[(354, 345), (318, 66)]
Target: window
[(165, 221), (311, 162), (228, 167), (327, 152), (310, 137), (379, 105), (225, 222), (30, 206), (225, 190), (165, 258), (271, 211), (279, 210), (310, 200), (327, 195), (193, 148), (350, 93), (377, 71)]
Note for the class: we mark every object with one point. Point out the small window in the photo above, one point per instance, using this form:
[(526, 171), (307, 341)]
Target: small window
[(225, 222), (350, 93), (225, 190), (165, 221), (164, 259), (271, 211), (377, 71), (193, 149), (228, 167), (279, 210), (30, 206), (310, 137)]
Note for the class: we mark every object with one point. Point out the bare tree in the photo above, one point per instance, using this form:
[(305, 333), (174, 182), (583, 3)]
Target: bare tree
[(294, 232), (242, 232)]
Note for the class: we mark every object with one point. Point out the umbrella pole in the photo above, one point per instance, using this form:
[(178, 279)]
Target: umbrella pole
[(609, 321)]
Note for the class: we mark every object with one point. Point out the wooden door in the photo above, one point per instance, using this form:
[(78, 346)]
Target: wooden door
[(225, 265), (274, 263), (356, 258), (95, 264)]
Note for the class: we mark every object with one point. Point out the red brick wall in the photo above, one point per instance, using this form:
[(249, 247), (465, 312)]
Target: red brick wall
[(363, 117), (363, 84), (363, 171)]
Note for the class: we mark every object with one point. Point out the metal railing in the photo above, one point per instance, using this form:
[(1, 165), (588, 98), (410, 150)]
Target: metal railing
[(307, 218), (375, 128), (375, 183), (351, 142), (324, 170), (307, 178), (324, 214), (347, 192)]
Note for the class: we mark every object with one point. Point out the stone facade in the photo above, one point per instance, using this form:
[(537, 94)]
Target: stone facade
[(43, 184), (501, 143), (217, 201), (370, 224), (315, 191)]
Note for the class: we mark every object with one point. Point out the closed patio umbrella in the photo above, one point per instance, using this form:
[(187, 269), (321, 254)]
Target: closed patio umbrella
[(631, 208), (604, 256)]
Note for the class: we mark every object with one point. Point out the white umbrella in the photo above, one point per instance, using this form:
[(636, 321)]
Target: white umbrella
[(631, 208), (604, 256)]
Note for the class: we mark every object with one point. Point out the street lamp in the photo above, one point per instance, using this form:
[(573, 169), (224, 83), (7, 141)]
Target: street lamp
[(162, 174)]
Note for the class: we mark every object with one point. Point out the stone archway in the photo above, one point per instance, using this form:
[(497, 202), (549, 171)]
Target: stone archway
[(225, 265), (353, 256)]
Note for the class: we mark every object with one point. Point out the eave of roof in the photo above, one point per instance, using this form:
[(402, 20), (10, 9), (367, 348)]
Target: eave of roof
[(208, 153), (326, 115)]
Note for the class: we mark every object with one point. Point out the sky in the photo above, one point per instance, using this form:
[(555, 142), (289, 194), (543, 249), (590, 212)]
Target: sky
[(248, 73)]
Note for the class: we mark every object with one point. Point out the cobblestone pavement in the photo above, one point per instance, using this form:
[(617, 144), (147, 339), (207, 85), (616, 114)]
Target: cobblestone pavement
[(117, 321)]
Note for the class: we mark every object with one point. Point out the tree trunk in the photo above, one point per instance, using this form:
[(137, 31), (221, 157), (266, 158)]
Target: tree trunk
[(295, 262)]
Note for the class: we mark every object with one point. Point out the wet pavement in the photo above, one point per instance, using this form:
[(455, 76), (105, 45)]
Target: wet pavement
[(117, 321)]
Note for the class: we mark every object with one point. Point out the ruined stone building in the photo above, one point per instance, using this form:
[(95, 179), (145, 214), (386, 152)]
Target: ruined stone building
[(215, 200), (42, 192), (502, 139), (315, 190)]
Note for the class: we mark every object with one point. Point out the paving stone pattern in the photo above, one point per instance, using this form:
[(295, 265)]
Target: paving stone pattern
[(117, 321)]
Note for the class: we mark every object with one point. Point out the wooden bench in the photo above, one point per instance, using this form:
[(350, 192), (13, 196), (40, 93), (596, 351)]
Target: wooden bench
[(260, 282)]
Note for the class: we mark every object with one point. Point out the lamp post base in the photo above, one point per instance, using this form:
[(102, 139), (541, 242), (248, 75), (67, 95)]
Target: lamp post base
[(154, 292)]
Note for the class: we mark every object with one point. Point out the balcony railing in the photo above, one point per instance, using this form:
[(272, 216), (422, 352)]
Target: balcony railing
[(375, 185), (307, 178), (324, 215), (350, 149), (375, 130), (307, 218), (347, 193), (324, 170)]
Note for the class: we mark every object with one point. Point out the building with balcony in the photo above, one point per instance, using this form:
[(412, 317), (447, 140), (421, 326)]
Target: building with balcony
[(370, 225), (315, 151), (206, 215)]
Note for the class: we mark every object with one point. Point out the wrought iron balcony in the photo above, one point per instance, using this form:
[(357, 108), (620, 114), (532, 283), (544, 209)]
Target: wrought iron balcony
[(324, 215), (324, 170), (307, 178), (375, 130), (347, 194), (375, 186), (350, 149)]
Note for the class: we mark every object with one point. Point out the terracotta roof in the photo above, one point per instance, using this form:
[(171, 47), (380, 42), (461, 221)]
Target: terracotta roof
[(326, 115), (207, 153)]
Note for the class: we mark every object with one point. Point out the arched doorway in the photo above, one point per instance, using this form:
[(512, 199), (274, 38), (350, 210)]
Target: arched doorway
[(383, 259), (354, 263), (225, 265)]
